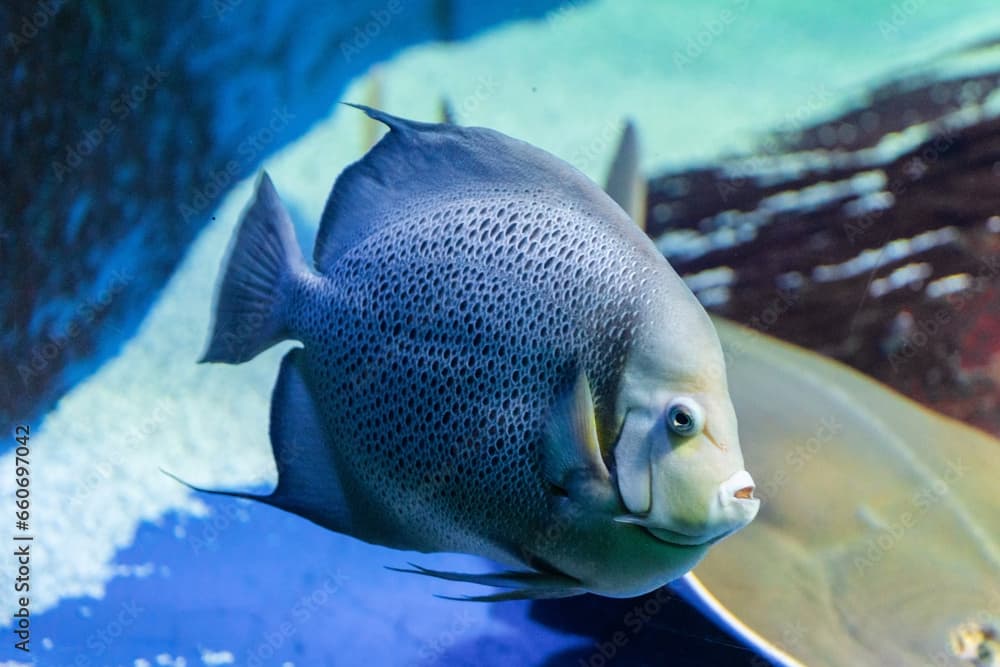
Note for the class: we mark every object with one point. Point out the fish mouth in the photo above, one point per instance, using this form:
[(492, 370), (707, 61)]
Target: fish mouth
[(732, 507)]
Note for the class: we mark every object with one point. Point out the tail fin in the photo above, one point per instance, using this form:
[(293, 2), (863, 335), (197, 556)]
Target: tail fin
[(263, 263)]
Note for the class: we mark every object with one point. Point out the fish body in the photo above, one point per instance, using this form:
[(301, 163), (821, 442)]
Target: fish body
[(495, 360)]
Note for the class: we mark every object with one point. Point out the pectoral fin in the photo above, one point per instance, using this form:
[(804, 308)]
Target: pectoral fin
[(571, 445)]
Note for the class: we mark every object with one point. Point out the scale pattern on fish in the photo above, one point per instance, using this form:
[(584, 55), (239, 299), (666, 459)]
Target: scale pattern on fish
[(495, 361)]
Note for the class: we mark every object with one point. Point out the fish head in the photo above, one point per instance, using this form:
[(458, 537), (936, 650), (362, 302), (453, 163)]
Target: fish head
[(678, 461)]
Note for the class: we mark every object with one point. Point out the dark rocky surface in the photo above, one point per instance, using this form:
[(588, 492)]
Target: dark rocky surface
[(847, 256)]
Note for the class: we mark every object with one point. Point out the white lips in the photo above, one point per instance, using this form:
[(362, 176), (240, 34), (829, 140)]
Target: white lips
[(737, 482), (729, 509)]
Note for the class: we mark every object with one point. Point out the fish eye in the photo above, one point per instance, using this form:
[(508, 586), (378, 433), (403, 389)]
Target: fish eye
[(684, 417)]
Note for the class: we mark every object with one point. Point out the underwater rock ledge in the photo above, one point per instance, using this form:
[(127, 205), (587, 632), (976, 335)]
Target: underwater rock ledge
[(122, 128), (872, 237)]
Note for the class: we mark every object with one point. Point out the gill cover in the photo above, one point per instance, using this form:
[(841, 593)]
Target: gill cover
[(684, 487)]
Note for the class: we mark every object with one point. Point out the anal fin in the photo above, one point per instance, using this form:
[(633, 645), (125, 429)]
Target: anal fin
[(308, 483)]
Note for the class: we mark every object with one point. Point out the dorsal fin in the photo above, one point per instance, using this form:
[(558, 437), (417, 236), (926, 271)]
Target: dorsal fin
[(374, 89), (416, 160)]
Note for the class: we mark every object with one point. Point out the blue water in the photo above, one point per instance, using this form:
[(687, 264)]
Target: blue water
[(285, 587)]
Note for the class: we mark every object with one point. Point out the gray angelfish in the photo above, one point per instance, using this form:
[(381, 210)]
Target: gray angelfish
[(495, 361)]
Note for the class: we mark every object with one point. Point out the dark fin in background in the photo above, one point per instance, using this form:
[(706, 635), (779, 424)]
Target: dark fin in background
[(308, 484), (625, 183), (446, 112), (527, 585), (416, 160), (261, 267)]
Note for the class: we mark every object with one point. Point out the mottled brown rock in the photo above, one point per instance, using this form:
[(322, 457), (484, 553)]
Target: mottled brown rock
[(934, 343)]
